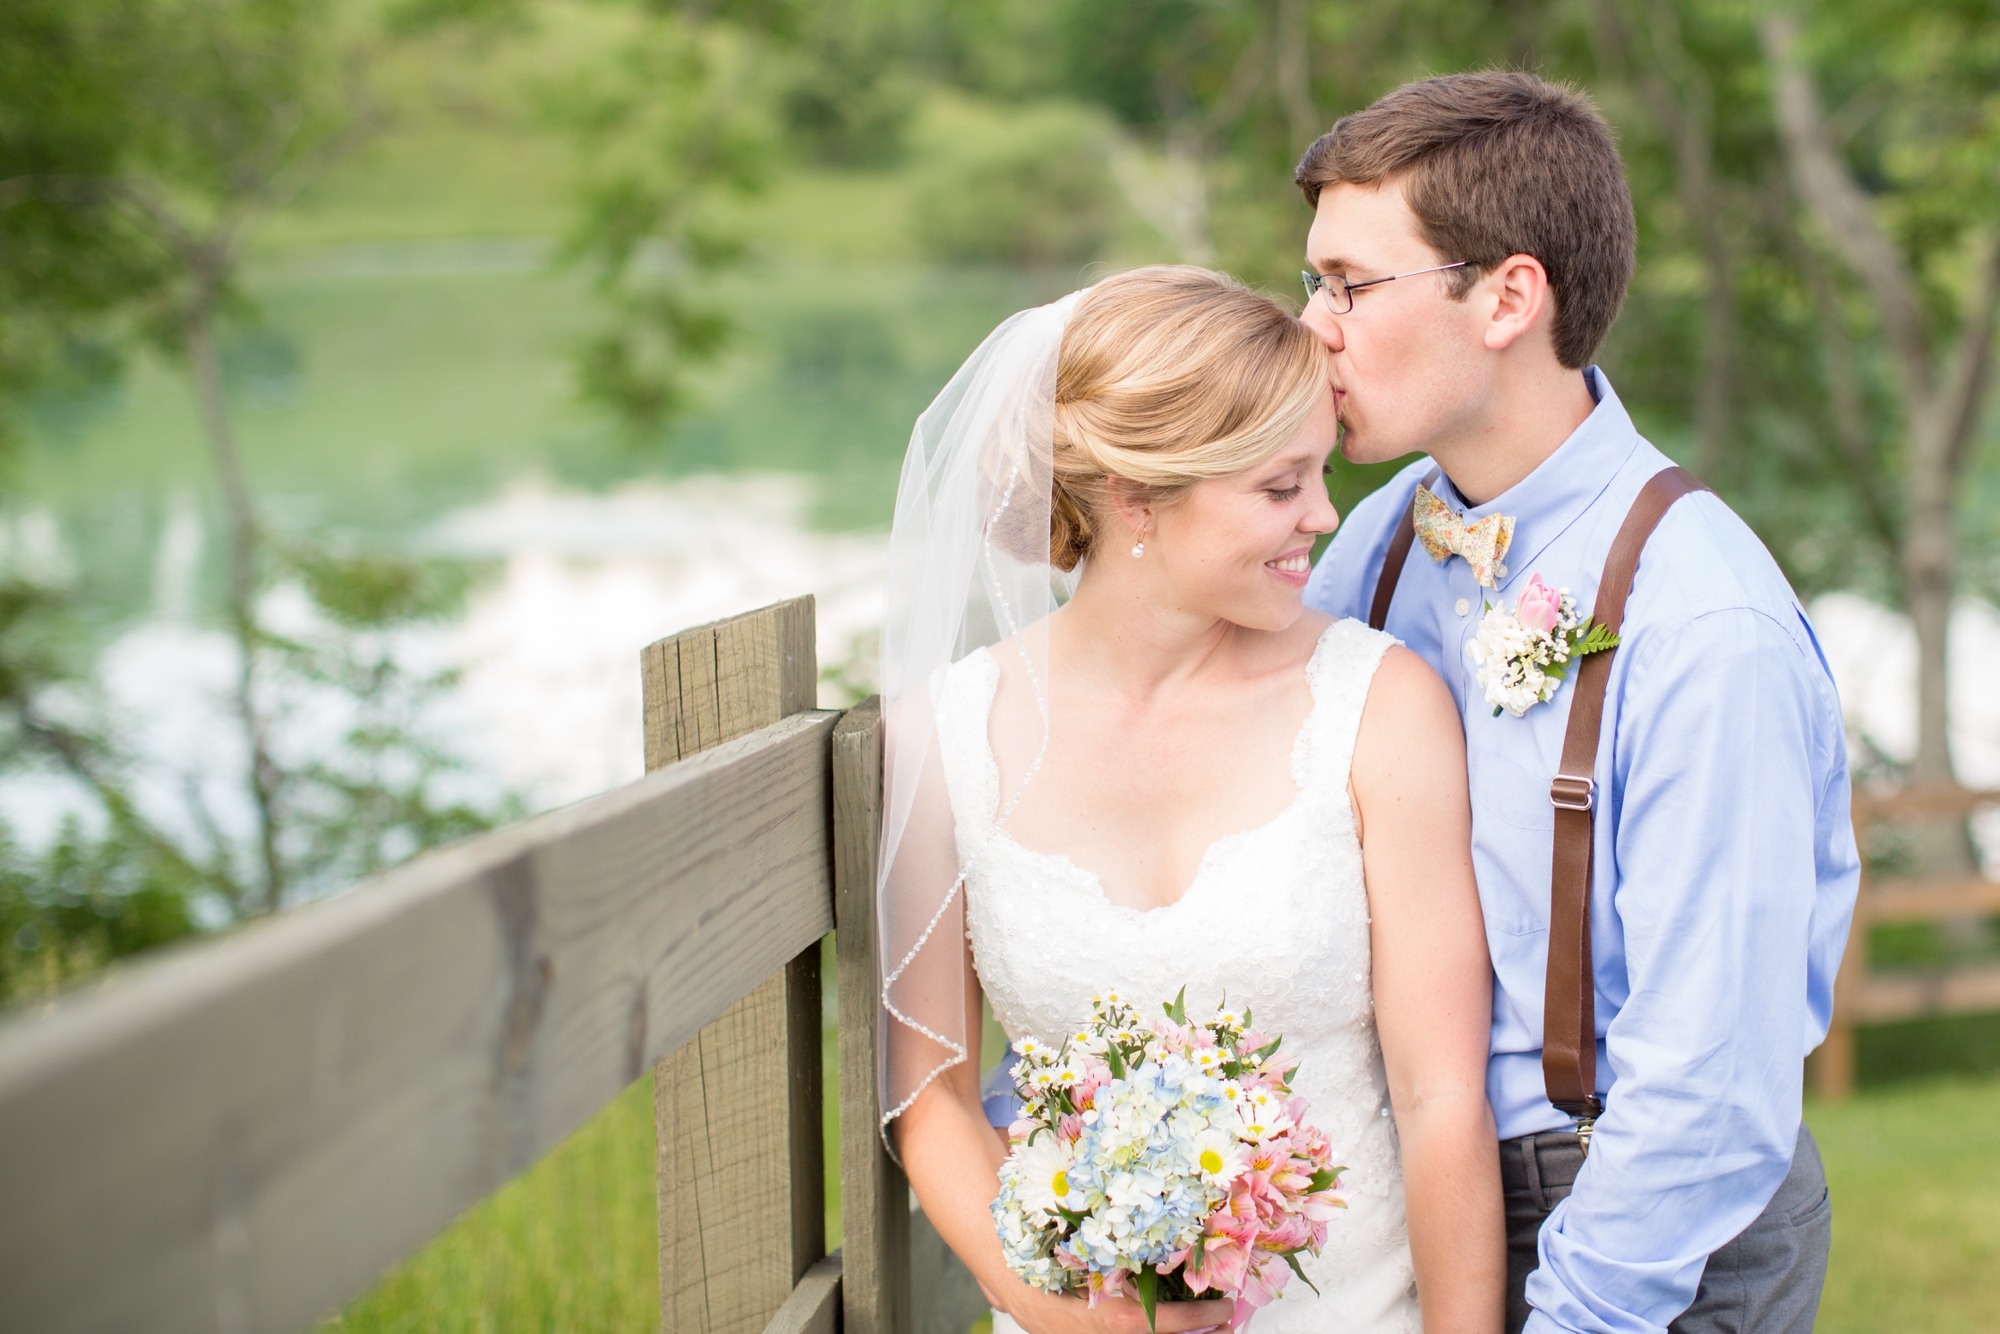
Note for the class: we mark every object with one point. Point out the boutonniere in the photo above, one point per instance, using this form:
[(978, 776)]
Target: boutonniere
[(1524, 655)]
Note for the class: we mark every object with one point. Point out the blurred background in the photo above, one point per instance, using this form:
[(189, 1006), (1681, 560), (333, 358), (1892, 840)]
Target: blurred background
[(377, 376)]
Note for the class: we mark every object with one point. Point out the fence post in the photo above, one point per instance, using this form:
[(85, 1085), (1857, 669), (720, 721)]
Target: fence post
[(737, 1110), (874, 1197)]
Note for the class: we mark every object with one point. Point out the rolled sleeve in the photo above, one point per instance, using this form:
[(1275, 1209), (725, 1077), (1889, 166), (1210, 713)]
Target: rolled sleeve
[(1716, 781)]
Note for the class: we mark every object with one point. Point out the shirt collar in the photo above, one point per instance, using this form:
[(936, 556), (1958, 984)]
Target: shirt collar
[(1555, 495)]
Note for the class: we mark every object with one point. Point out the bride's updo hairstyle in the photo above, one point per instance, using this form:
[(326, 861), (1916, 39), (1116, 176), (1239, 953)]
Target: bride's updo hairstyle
[(1169, 375)]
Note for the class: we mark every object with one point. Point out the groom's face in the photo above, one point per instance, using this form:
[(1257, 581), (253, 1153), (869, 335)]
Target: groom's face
[(1405, 362)]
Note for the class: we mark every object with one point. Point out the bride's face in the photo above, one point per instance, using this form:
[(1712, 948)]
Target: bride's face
[(1239, 548)]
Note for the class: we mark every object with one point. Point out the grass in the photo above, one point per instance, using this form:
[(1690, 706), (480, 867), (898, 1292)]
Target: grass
[(1915, 1175), (572, 1245)]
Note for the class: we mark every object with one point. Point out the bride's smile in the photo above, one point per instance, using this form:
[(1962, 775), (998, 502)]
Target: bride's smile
[(1181, 780)]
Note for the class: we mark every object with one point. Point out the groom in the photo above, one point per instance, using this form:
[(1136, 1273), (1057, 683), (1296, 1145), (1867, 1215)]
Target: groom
[(1471, 243)]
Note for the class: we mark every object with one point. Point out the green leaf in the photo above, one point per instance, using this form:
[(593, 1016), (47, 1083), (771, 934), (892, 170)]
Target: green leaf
[(1149, 1289), (1325, 1179), (1496, 710), (1112, 1059), (1590, 637), (1178, 1010), (1292, 1259), (1270, 1049), (1559, 670)]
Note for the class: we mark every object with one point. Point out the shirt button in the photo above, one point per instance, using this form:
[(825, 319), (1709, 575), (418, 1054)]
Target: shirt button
[(1462, 607)]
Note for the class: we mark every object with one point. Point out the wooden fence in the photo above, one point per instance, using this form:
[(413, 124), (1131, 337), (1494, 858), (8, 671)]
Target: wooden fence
[(242, 1135), (1866, 996)]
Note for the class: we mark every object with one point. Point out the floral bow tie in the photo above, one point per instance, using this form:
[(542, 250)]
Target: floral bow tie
[(1445, 535)]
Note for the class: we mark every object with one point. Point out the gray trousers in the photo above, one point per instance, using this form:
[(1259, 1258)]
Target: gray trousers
[(1766, 1281)]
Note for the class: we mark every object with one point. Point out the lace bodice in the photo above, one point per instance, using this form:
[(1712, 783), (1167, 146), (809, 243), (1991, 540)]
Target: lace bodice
[(1276, 916)]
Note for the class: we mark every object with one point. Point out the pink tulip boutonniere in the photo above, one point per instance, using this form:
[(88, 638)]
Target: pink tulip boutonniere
[(1523, 655)]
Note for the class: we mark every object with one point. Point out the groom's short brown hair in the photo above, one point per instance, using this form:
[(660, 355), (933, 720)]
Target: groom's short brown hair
[(1494, 164)]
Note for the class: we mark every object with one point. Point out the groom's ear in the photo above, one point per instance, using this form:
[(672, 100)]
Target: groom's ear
[(1516, 290)]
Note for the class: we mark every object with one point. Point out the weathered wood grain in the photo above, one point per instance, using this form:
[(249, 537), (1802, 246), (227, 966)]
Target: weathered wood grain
[(874, 1197), (1928, 900), (1963, 989), (660, 678), (719, 681), (1915, 801), (814, 1306), (737, 1111), (243, 1135)]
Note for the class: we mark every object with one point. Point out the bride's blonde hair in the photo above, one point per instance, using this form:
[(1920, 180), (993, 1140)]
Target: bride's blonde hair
[(1169, 375)]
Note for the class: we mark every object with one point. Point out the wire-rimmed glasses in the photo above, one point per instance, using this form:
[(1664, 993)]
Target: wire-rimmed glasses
[(1340, 292)]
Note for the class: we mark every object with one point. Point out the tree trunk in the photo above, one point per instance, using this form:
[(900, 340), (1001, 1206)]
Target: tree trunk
[(198, 333), (1295, 73)]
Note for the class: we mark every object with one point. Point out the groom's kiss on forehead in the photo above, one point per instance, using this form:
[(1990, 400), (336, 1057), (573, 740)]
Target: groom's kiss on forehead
[(1459, 307)]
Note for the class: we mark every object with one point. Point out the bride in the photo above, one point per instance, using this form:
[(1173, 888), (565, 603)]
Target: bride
[(1122, 755)]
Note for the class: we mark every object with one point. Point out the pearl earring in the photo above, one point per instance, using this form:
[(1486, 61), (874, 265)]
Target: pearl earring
[(1138, 548)]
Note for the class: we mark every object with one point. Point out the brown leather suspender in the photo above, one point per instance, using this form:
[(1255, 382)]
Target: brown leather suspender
[(1392, 562), (1569, 1004)]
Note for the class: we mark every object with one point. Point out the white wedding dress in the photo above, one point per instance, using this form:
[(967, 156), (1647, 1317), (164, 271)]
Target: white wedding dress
[(1276, 916)]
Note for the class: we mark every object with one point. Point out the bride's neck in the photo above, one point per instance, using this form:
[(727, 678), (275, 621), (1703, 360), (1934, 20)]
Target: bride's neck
[(1116, 633)]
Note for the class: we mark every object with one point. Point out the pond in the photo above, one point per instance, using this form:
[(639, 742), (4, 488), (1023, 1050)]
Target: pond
[(418, 396)]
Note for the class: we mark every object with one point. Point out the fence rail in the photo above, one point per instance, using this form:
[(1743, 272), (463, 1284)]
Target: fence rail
[(241, 1135), (1865, 996)]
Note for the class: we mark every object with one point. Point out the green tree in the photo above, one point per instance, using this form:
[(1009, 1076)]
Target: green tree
[(142, 143), (679, 122), (1908, 211)]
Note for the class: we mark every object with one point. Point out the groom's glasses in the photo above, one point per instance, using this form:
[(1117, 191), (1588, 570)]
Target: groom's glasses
[(1340, 292)]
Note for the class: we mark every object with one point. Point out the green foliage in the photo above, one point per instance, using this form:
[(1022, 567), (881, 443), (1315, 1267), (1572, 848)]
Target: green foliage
[(383, 788), (103, 889), (850, 98), (86, 900), (1033, 189), (679, 123), (68, 259)]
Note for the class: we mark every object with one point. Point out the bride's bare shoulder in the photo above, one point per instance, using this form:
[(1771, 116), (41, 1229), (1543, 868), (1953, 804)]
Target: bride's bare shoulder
[(1407, 700)]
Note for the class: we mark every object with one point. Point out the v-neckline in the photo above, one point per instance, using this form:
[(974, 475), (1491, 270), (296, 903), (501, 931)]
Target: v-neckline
[(1298, 764)]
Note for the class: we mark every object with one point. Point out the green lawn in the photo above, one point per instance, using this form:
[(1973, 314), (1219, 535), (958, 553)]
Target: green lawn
[(1915, 1175), (572, 1245)]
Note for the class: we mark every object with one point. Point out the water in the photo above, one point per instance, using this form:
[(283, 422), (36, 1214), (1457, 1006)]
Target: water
[(418, 397)]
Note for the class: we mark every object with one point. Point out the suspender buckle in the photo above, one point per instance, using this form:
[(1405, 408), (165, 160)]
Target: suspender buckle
[(1571, 793)]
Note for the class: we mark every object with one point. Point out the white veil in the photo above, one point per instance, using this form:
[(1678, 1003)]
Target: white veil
[(968, 567)]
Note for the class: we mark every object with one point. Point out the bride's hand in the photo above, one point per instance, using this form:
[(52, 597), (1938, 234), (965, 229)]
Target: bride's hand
[(1043, 1313)]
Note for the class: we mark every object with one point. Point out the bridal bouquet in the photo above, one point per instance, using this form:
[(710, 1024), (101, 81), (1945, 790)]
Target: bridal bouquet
[(1163, 1157)]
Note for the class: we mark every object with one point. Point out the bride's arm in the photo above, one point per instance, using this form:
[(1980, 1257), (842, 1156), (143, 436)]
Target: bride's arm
[(953, 1161), (1433, 988)]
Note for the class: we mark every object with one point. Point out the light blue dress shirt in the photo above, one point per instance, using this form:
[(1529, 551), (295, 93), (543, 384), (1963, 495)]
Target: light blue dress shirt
[(1725, 863)]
